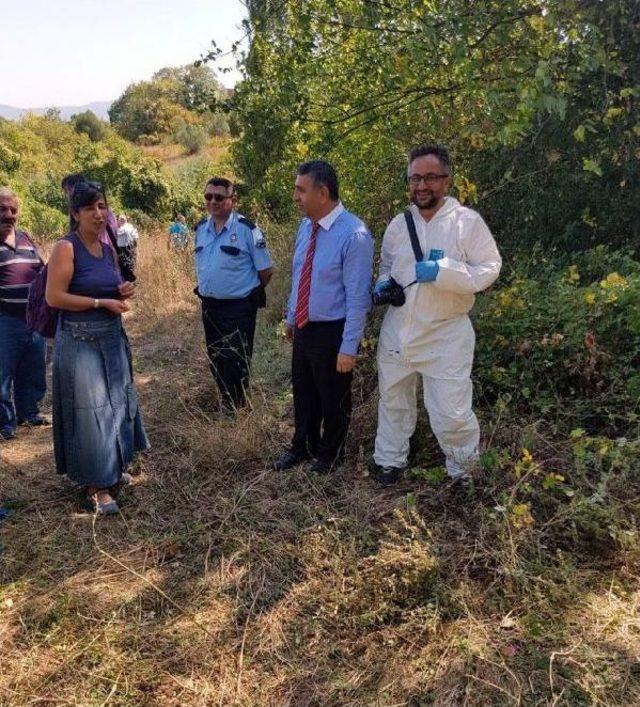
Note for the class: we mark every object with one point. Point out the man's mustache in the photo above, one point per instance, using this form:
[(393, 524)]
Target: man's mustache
[(7, 222)]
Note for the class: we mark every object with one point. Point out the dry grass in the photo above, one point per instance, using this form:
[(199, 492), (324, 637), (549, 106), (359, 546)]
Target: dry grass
[(223, 583), (174, 155)]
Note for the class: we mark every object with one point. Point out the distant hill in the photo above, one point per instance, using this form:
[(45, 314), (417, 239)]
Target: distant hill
[(100, 108)]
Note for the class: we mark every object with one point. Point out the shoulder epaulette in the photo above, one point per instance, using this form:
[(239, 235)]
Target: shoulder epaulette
[(200, 223), (246, 222)]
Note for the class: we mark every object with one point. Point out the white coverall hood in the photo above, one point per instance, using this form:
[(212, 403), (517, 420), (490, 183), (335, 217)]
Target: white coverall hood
[(431, 334)]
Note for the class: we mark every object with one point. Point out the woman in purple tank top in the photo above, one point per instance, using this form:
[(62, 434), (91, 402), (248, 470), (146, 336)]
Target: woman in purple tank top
[(97, 428)]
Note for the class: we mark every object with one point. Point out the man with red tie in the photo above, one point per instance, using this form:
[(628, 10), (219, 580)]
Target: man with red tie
[(326, 315)]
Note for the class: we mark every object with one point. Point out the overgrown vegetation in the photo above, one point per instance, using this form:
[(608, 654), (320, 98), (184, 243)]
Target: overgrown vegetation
[(225, 583), (36, 152), (177, 104), (89, 123), (538, 101), (565, 342)]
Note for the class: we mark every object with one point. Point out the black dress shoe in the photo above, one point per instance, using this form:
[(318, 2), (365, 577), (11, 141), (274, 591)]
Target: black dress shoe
[(289, 459), (387, 475)]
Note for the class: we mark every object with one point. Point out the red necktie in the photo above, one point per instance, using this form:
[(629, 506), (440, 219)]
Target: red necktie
[(304, 286)]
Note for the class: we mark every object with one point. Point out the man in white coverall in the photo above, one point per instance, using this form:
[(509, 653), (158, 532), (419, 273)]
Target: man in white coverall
[(431, 334)]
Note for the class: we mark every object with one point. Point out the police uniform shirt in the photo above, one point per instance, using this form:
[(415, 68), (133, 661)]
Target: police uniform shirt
[(227, 263)]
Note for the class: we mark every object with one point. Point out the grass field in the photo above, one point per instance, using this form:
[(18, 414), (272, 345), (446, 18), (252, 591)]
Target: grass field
[(175, 156), (224, 583)]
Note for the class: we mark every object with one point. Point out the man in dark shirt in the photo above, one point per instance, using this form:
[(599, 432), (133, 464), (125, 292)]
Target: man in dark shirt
[(22, 352)]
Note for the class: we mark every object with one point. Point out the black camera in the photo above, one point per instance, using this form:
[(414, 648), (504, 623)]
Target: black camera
[(388, 292)]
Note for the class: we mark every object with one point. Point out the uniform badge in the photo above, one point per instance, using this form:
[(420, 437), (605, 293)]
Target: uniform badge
[(436, 254), (258, 238), (234, 237)]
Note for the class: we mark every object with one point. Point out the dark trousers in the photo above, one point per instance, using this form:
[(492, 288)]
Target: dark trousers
[(22, 372), (127, 259), (229, 328), (130, 255), (321, 395)]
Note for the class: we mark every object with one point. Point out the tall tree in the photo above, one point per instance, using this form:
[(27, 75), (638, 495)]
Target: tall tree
[(173, 98), (359, 81)]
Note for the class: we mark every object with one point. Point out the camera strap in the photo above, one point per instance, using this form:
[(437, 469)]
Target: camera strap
[(413, 235)]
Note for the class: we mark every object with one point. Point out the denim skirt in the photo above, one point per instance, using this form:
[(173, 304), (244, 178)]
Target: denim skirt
[(97, 428)]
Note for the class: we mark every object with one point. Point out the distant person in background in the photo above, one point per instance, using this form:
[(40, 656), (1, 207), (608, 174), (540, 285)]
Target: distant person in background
[(97, 428), (22, 352), (127, 236), (178, 233), (233, 267)]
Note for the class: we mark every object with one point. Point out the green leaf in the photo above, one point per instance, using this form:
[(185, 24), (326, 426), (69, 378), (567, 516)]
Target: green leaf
[(589, 165), (579, 133)]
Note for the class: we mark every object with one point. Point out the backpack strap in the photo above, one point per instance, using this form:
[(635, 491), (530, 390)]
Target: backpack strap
[(415, 243), (113, 237)]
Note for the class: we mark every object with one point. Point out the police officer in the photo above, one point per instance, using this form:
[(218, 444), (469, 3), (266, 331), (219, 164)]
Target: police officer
[(233, 267)]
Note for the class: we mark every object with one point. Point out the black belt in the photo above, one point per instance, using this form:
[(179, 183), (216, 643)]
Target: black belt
[(323, 324), (256, 297)]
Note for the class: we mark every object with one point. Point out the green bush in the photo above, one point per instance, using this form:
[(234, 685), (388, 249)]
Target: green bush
[(89, 123), (565, 345), (9, 160), (192, 137), (217, 125), (42, 221), (149, 112), (36, 152)]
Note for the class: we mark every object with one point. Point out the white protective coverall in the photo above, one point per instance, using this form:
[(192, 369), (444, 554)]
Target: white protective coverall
[(431, 334)]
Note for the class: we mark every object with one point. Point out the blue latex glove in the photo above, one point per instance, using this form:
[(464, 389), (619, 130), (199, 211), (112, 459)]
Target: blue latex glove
[(427, 270)]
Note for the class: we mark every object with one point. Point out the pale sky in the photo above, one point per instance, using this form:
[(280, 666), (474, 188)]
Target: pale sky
[(71, 52)]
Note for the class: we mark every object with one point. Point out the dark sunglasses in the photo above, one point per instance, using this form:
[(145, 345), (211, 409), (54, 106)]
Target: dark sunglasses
[(216, 197), (85, 186)]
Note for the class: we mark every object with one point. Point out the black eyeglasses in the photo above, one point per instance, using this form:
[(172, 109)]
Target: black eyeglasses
[(430, 178), (216, 197)]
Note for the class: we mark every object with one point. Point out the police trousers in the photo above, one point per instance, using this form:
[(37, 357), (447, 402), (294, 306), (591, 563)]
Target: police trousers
[(229, 329)]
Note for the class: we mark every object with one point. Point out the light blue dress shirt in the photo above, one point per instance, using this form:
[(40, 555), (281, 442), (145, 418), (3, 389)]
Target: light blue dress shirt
[(340, 276), (227, 263)]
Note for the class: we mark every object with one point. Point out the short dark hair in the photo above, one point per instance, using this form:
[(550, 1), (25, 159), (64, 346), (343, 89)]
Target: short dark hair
[(221, 182), (70, 181), (323, 174), (430, 149), (84, 194)]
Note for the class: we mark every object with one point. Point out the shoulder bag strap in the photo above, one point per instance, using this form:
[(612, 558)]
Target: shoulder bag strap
[(112, 236), (415, 243)]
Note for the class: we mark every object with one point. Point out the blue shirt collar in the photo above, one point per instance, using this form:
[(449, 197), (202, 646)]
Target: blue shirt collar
[(226, 227), (327, 221)]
